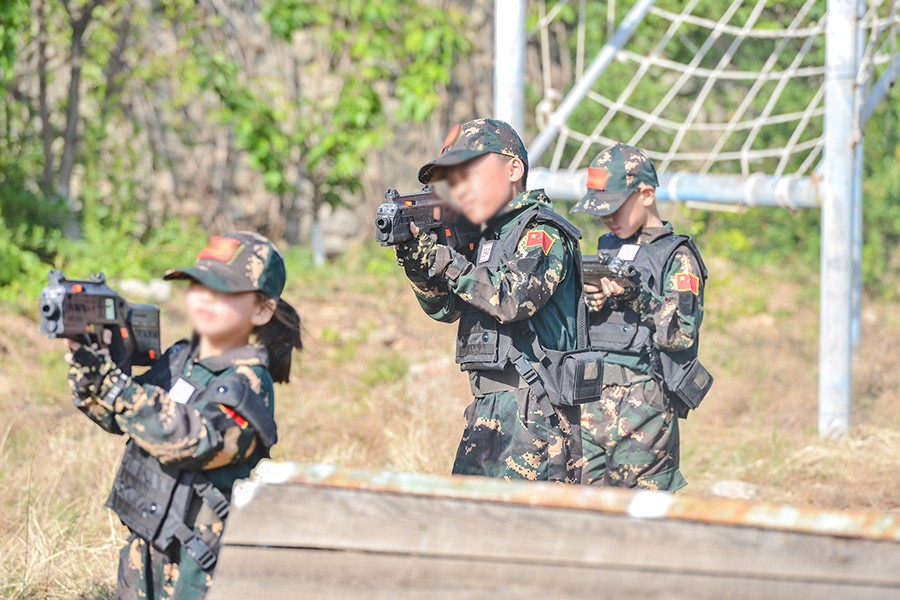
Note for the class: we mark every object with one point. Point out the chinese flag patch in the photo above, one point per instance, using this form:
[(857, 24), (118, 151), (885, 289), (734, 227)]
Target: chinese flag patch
[(597, 178), (241, 421), (686, 282), (539, 238), (220, 248)]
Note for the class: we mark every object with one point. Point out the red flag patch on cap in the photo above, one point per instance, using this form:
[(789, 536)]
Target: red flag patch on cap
[(539, 238), (687, 282), (597, 178), (452, 136), (220, 248)]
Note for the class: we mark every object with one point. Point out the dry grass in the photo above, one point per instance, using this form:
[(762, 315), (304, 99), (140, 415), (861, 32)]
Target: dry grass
[(376, 387)]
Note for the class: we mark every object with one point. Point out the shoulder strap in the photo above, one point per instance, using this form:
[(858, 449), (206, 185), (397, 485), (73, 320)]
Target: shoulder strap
[(233, 391)]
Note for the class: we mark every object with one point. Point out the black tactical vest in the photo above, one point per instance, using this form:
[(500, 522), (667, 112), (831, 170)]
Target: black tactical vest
[(623, 331), (482, 343), (158, 502)]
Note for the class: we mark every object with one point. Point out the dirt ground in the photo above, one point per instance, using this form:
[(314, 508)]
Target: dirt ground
[(376, 387)]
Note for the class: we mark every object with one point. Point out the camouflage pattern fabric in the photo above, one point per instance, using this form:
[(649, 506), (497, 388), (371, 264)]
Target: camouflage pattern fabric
[(532, 281), (615, 174), (235, 263), (473, 139), (510, 435), (630, 439), (194, 435), (499, 439), (414, 255), (676, 314)]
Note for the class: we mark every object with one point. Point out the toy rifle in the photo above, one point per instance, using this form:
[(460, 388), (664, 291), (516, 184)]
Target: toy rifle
[(81, 309), (430, 213)]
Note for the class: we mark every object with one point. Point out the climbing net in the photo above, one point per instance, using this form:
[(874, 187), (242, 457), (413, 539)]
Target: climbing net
[(701, 89)]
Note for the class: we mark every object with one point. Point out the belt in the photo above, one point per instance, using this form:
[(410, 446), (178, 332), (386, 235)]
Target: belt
[(488, 382), (621, 375)]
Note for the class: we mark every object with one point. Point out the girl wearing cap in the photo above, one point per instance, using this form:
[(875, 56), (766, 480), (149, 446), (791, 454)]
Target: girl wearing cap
[(201, 418)]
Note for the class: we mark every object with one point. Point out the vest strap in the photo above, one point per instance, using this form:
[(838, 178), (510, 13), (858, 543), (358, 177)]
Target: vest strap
[(215, 499), (196, 547), (489, 382)]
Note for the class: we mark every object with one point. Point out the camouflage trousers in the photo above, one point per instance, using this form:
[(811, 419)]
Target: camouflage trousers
[(512, 435), (630, 439), (147, 573)]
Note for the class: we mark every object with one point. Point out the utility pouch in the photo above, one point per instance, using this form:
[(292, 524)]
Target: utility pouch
[(693, 387), (576, 376)]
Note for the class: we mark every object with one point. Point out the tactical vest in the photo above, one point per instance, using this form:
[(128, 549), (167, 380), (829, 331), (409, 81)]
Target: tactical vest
[(624, 331), (484, 344), (159, 502)]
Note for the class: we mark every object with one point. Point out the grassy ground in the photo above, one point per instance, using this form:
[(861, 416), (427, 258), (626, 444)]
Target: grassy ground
[(377, 387)]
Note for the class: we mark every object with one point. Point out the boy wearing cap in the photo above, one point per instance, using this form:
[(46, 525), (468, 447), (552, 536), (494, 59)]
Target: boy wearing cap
[(200, 419), (517, 295), (649, 340)]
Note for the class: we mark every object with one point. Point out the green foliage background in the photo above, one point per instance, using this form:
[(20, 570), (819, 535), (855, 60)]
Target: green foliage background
[(392, 57)]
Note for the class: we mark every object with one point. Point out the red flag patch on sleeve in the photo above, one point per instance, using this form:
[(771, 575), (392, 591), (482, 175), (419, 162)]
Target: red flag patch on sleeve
[(539, 238), (687, 282), (241, 421)]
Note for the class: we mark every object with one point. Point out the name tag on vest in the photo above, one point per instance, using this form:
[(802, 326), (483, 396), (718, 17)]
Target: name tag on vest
[(485, 253), (181, 391), (628, 252)]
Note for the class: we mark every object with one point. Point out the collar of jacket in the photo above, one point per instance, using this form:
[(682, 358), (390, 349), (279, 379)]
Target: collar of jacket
[(248, 355), (648, 235), (514, 207)]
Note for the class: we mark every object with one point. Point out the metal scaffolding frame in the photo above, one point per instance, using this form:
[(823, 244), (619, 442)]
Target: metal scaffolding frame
[(836, 188)]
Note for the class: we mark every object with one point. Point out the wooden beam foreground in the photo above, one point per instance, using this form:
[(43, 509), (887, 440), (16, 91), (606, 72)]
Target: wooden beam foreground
[(314, 531)]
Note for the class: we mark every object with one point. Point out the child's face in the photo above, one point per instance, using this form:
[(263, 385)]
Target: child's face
[(215, 315), (482, 186), (632, 215)]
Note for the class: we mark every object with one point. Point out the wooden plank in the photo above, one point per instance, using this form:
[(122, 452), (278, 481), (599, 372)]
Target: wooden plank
[(681, 507), (302, 516), (291, 573)]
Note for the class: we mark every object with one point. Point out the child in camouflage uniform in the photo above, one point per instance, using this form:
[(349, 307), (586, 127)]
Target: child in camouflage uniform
[(201, 418), (630, 437), (520, 283)]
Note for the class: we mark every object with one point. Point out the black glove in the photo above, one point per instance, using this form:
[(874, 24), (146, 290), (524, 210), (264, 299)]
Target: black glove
[(415, 255), (88, 372)]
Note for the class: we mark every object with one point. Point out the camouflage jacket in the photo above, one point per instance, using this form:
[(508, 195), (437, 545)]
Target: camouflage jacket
[(677, 313), (194, 435), (533, 285)]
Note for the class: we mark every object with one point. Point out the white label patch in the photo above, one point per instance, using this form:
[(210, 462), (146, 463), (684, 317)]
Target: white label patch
[(485, 253), (628, 251), (181, 391)]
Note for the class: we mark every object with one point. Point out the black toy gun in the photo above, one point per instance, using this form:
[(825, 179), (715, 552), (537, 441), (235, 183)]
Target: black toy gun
[(596, 267), (81, 310), (430, 213)]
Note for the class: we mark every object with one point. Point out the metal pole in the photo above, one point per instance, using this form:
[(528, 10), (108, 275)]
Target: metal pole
[(754, 190), (858, 170), (509, 62), (881, 88), (841, 65), (584, 85)]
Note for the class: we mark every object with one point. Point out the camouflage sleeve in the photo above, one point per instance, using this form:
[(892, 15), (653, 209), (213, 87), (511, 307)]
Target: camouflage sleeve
[(190, 436), (515, 291), (102, 415), (678, 314), (437, 301)]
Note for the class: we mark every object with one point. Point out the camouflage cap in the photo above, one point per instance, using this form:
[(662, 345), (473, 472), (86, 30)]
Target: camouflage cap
[(471, 140), (613, 176), (235, 263)]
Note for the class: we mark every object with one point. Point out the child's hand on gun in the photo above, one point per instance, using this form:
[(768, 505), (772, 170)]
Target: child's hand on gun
[(596, 296)]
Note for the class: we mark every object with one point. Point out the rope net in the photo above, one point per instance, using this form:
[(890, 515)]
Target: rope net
[(703, 86)]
